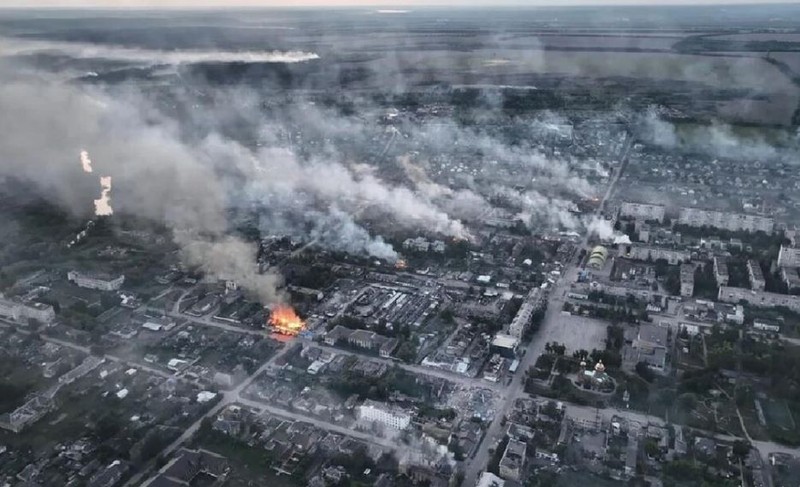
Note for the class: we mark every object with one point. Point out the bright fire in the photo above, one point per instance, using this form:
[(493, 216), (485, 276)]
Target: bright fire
[(401, 264), (284, 320)]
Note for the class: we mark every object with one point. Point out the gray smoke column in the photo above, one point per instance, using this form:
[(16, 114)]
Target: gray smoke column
[(229, 258), (155, 174)]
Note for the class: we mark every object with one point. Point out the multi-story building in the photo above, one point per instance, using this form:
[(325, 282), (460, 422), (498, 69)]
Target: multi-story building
[(758, 298), (735, 222), (642, 211), (687, 280), (721, 271), (757, 281), (384, 414), (20, 310), (99, 281), (789, 256), (513, 460), (533, 302), (647, 252)]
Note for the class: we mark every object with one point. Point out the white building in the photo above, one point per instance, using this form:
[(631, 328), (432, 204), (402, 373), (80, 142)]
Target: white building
[(101, 282), (384, 414), (695, 217), (642, 211), (489, 479), (789, 256), (533, 302)]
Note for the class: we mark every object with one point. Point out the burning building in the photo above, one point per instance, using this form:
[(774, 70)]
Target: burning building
[(285, 321)]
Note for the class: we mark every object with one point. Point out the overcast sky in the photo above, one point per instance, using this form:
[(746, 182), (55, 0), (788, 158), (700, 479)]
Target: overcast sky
[(351, 3)]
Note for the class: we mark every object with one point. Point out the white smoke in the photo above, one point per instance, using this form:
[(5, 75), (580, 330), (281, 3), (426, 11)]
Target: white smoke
[(604, 230), (86, 162), (80, 50), (102, 206)]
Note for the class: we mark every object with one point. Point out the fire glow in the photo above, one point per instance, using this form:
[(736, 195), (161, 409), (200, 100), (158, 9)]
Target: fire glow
[(284, 320)]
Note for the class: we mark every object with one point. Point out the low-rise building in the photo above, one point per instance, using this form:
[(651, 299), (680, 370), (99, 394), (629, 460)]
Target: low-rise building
[(513, 460), (96, 280), (764, 325), (384, 414)]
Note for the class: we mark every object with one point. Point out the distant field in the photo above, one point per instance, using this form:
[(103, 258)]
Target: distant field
[(719, 72), (760, 37)]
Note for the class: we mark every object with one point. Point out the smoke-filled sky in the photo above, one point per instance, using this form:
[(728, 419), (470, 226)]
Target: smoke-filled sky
[(359, 3)]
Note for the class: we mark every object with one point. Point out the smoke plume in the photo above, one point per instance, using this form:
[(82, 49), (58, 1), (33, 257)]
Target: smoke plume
[(80, 50)]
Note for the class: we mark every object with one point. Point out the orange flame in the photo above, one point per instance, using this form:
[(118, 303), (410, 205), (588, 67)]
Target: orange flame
[(284, 320), (401, 264)]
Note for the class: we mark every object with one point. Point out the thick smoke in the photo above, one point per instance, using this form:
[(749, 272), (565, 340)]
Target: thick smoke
[(230, 258), (604, 230), (716, 139)]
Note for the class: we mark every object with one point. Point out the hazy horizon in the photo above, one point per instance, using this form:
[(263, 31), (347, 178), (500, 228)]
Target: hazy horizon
[(189, 4)]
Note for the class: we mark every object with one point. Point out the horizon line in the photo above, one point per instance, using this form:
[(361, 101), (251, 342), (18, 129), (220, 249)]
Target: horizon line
[(317, 4)]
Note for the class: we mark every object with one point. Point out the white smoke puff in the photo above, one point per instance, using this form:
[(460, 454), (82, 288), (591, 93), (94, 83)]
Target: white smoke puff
[(604, 230), (86, 162), (338, 231), (102, 206)]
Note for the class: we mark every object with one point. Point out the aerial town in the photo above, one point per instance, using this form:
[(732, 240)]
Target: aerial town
[(611, 311)]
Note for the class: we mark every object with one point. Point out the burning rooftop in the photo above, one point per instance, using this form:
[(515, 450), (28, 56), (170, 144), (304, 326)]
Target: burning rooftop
[(285, 321)]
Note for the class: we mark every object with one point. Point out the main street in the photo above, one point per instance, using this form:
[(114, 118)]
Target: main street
[(547, 330)]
